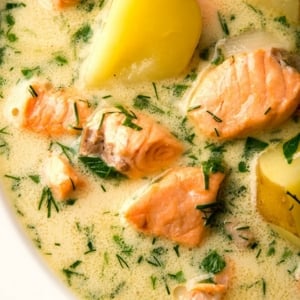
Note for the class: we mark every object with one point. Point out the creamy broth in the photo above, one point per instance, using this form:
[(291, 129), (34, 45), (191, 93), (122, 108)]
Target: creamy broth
[(88, 244)]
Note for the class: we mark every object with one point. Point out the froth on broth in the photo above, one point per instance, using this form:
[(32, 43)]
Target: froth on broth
[(86, 242)]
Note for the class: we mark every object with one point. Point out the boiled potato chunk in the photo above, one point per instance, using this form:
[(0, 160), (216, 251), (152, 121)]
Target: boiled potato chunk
[(278, 192), (144, 40), (287, 8)]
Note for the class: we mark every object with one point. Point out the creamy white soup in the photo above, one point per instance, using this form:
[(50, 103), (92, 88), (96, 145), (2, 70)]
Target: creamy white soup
[(85, 239)]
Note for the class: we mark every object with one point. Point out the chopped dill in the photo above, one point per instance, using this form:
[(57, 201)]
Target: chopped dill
[(48, 198)]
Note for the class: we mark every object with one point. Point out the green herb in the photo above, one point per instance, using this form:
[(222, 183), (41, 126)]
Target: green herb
[(76, 113), (3, 130), (153, 281), (36, 239), (101, 2), (48, 198), (11, 37), (60, 60), (88, 232), (10, 20), (66, 150), (29, 73), (209, 211), (125, 248), (159, 251), (293, 197), (217, 119), (87, 5), (194, 108), (253, 145), (122, 261), (70, 271), (271, 251), (176, 249), (155, 90), (256, 10), (129, 117), (117, 290), (223, 24), (218, 58), (179, 89), (268, 110), (211, 166), (35, 178), (283, 21), (2, 53), (204, 54), (264, 286), (191, 76), (243, 228), (167, 287), (12, 5), (16, 181), (154, 261), (97, 166), (213, 263), (178, 277), (70, 202), (32, 91), (290, 148), (143, 102), (287, 253), (83, 34), (243, 167)]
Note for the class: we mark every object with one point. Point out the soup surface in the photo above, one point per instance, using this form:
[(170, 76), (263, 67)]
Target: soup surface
[(85, 240)]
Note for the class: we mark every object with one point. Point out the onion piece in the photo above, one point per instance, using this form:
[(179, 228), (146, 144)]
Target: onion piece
[(251, 41)]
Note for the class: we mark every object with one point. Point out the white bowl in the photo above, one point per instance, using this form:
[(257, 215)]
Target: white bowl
[(22, 272)]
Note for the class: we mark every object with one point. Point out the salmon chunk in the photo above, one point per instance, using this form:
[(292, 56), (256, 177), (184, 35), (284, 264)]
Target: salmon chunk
[(168, 208), (58, 4), (131, 142), (39, 107), (61, 177), (246, 93)]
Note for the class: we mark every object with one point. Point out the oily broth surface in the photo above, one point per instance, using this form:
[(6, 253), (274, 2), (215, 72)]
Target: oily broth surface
[(84, 232)]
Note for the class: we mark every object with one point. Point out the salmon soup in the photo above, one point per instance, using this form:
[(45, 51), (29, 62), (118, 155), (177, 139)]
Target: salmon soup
[(75, 206)]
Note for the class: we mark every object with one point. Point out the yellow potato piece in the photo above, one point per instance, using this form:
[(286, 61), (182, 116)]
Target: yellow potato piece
[(278, 192), (144, 40), (287, 8)]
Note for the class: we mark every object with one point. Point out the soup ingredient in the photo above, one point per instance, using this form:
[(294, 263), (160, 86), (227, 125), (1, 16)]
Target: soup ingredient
[(61, 177), (41, 108), (287, 9), (131, 142), (246, 93), (240, 234), (210, 286), (58, 4), (170, 206), (142, 40), (278, 190)]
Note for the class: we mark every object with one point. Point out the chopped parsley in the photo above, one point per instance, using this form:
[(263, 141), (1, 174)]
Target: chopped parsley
[(30, 72), (282, 20), (83, 34), (213, 263), (252, 146), (290, 148)]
